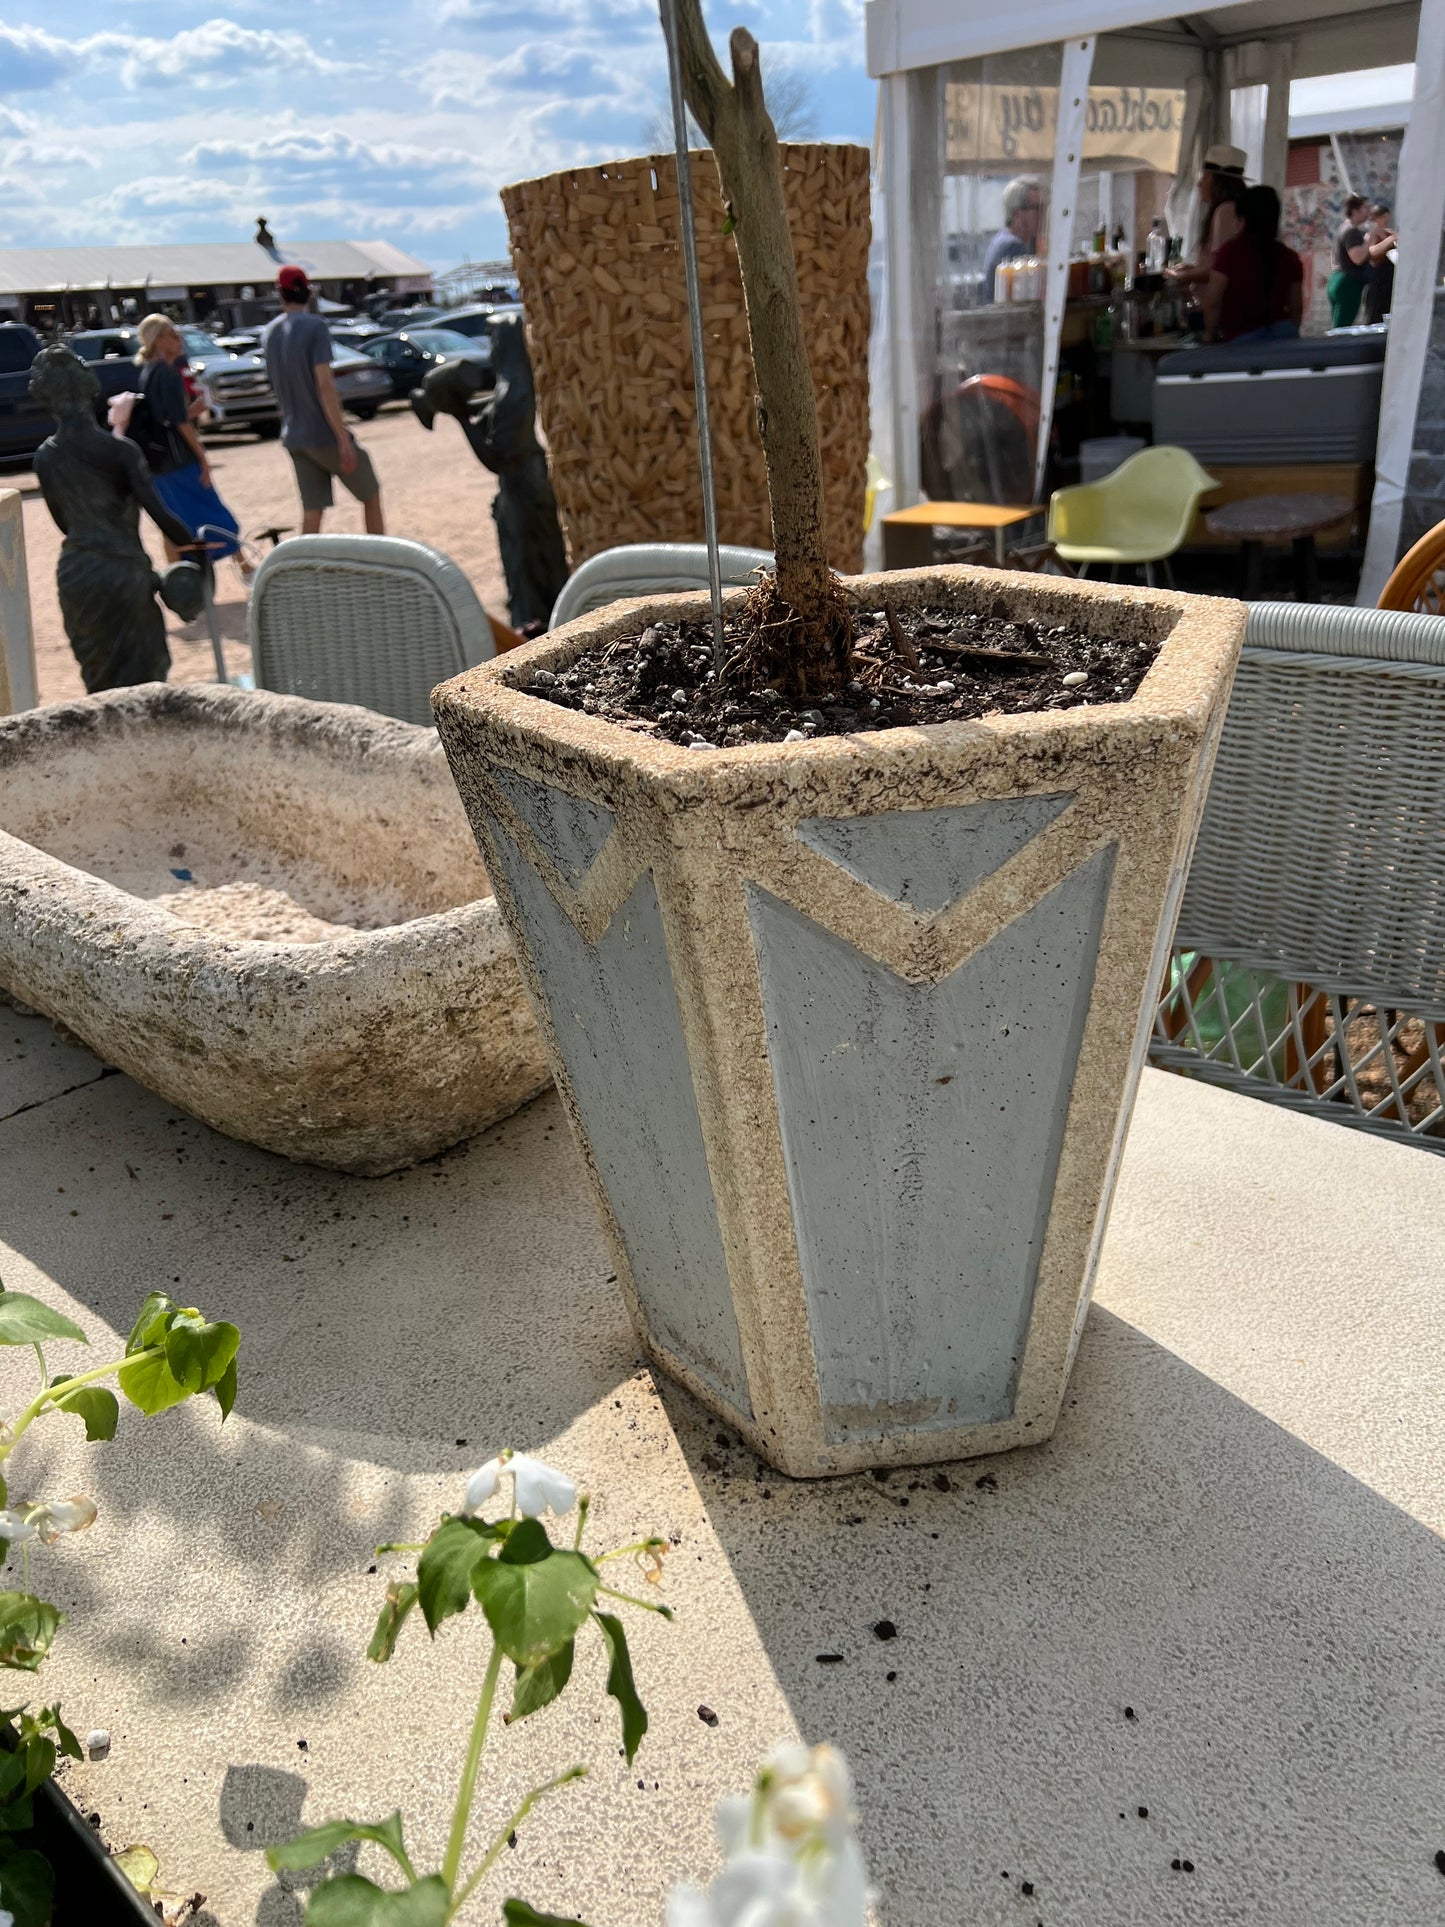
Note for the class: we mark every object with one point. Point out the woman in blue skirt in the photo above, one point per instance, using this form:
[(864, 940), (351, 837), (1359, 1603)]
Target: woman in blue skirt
[(160, 424)]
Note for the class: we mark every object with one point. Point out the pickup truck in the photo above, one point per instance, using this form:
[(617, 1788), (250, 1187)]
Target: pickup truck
[(23, 426)]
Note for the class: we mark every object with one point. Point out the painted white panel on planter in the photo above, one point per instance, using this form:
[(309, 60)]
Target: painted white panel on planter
[(570, 831), (927, 858), (619, 1034), (921, 1124)]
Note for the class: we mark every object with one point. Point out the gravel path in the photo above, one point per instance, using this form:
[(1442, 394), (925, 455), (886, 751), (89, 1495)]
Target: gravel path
[(433, 490)]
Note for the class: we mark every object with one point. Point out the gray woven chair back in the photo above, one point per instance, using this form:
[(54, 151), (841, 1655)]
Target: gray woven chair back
[(651, 568), (1309, 960), (365, 619)]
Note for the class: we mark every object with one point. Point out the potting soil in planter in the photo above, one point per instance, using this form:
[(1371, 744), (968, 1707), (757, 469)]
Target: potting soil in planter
[(932, 665)]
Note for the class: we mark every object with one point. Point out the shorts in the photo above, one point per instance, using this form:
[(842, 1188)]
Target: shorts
[(316, 466)]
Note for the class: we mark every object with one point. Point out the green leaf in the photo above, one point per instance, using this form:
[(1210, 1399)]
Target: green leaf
[(728, 225), (535, 1594), (39, 1759), (48, 1718), (17, 1816), (140, 1866), (620, 1683), (445, 1570), (225, 1390), (149, 1384), (401, 1596), (199, 1353), (152, 1324), (26, 1321), (351, 1901), (309, 1849), (517, 1913), (27, 1887), (537, 1686), (99, 1408), (12, 1774), (27, 1627)]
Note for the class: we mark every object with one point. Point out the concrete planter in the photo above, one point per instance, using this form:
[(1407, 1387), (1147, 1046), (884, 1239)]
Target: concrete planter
[(849, 1031), (270, 911)]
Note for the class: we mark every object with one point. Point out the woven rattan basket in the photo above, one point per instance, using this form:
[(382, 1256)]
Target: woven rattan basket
[(597, 253)]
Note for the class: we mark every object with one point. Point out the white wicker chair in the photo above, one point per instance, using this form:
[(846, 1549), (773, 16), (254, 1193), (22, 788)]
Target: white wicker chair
[(365, 619), (651, 568), (1309, 959)]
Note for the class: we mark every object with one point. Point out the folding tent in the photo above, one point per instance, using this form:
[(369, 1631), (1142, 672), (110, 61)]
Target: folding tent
[(971, 95)]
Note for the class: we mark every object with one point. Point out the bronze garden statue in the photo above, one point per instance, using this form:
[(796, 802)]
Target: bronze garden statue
[(500, 428), (95, 486)]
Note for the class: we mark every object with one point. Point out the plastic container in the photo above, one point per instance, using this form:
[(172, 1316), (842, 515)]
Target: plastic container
[(1105, 453)]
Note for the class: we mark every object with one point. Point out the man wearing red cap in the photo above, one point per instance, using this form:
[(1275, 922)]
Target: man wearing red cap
[(297, 346)]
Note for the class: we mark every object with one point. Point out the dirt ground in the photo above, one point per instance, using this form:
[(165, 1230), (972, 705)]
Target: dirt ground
[(433, 490)]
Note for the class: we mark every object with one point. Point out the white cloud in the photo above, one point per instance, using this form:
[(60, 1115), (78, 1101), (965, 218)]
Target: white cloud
[(214, 54), (611, 18)]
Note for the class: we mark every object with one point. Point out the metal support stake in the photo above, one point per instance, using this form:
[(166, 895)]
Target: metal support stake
[(694, 309)]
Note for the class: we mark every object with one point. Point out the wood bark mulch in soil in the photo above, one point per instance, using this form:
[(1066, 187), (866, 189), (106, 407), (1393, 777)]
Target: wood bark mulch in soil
[(932, 665)]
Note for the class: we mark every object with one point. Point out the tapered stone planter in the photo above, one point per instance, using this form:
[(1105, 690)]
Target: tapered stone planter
[(849, 1030)]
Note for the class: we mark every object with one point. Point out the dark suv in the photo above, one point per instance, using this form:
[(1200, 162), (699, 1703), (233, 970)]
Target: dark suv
[(23, 426)]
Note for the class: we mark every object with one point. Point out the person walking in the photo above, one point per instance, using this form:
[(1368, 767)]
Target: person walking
[(1255, 290), (163, 427), (297, 347), (1346, 285), (1023, 202)]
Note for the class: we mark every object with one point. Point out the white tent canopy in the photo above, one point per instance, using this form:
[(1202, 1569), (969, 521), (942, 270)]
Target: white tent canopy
[(1205, 61)]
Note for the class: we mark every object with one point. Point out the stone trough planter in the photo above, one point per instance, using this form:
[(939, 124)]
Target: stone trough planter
[(849, 1030), (269, 911)]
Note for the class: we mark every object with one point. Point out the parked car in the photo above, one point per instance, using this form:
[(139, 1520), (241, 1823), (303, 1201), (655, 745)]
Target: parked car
[(476, 320), (362, 385), (23, 426), (393, 318), (409, 357)]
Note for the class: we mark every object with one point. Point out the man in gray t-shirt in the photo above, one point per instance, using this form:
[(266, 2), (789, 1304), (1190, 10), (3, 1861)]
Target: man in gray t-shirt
[(297, 347)]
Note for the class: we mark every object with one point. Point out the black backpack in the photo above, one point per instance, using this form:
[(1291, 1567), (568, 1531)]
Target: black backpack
[(157, 441)]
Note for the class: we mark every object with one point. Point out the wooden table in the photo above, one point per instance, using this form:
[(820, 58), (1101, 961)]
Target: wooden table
[(1296, 519), (908, 533)]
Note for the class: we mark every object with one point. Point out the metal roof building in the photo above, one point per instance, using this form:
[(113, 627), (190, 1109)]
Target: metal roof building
[(198, 277)]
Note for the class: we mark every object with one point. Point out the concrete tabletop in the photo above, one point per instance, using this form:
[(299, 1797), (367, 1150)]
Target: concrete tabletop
[(1233, 1537)]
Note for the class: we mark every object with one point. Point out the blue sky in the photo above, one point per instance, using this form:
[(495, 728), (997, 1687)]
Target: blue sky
[(391, 118)]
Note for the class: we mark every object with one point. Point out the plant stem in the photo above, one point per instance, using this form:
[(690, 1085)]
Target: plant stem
[(509, 1827), (52, 1394), (647, 1605), (466, 1792), (44, 1375)]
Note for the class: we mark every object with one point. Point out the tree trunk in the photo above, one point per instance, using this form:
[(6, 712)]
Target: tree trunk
[(735, 118)]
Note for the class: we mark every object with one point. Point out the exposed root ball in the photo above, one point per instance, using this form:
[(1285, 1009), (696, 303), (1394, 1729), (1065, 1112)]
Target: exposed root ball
[(801, 651)]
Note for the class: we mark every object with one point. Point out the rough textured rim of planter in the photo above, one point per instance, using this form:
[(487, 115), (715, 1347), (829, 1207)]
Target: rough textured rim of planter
[(1178, 688), (1175, 715), (189, 943)]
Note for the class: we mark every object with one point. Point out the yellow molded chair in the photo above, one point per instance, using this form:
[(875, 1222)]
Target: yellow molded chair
[(1138, 515)]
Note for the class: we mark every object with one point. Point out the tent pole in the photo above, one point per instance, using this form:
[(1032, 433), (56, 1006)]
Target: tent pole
[(1420, 201), (902, 344), (1068, 154)]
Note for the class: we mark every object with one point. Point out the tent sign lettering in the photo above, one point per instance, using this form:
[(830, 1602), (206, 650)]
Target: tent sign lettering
[(1006, 127)]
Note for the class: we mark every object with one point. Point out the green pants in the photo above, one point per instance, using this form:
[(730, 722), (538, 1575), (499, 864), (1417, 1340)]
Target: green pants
[(1345, 291)]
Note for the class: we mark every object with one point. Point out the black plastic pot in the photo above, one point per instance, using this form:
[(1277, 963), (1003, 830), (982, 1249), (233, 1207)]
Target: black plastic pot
[(90, 1890)]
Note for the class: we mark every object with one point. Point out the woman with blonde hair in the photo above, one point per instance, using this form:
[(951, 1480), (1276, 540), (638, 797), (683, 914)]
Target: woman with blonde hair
[(161, 426)]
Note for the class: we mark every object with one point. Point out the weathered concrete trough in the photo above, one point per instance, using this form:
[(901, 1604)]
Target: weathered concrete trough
[(269, 911)]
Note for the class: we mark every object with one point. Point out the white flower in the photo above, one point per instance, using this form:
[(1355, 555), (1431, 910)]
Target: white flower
[(64, 1515), (17, 1529), (539, 1488), (6, 1919), (792, 1857)]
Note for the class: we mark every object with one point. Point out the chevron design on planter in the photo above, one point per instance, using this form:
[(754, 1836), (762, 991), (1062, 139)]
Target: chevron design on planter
[(929, 858), (921, 1126)]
